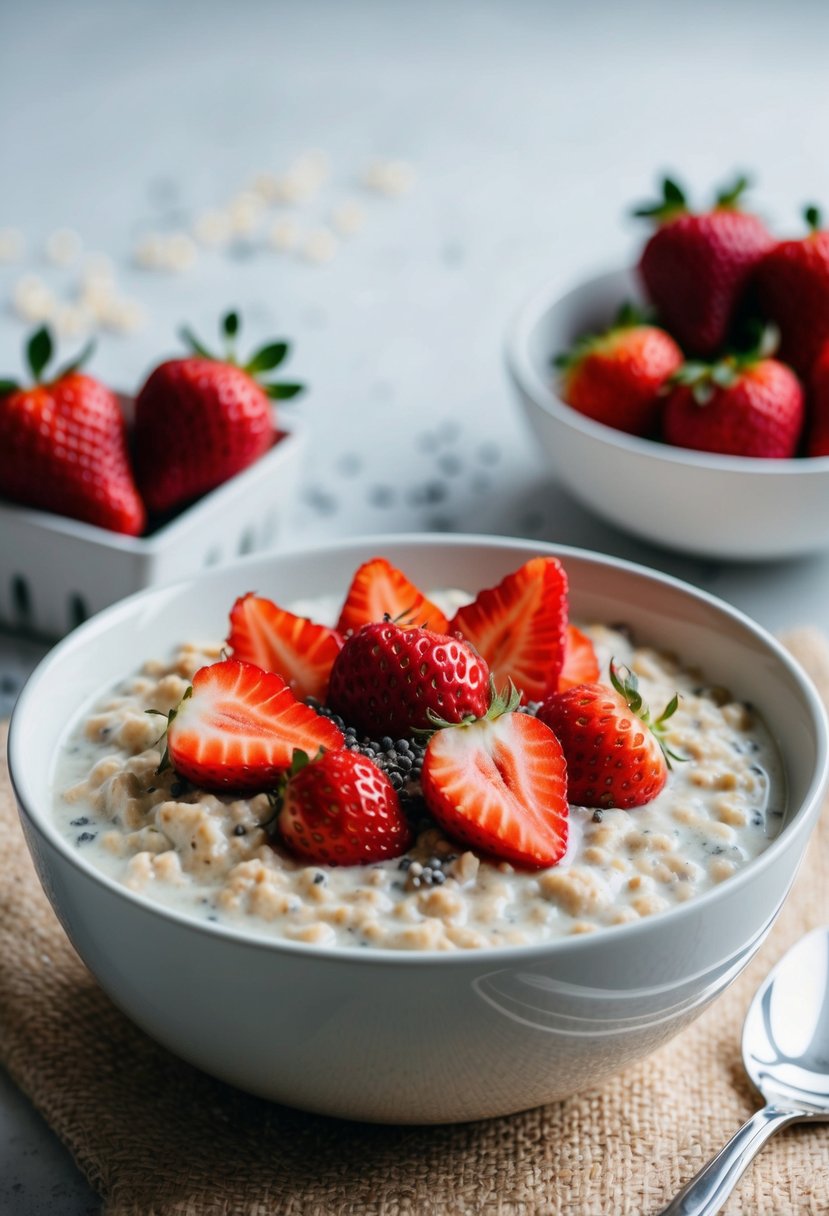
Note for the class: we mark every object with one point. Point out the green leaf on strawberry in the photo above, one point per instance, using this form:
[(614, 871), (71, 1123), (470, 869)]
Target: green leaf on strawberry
[(266, 359)]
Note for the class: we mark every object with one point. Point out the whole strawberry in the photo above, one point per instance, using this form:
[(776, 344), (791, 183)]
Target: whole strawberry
[(615, 377), (696, 267), (744, 405), (792, 283), (818, 441), (202, 419), (341, 810), (613, 753), (63, 445), (389, 679)]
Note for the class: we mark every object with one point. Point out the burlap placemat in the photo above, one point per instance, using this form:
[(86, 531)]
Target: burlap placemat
[(158, 1138)]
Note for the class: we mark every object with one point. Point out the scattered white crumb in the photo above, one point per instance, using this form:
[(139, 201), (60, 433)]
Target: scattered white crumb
[(33, 301), (212, 228), (72, 320), (245, 213), (97, 266), (12, 244), (63, 246), (175, 251), (390, 177), (347, 218), (284, 234), (320, 246), (124, 316)]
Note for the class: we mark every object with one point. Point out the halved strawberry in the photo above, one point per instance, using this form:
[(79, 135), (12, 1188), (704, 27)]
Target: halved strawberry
[(237, 728), (581, 665), (276, 640), (520, 627), (499, 785), (379, 589), (341, 810)]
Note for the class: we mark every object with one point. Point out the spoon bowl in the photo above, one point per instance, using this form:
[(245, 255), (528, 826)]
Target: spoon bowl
[(786, 1055)]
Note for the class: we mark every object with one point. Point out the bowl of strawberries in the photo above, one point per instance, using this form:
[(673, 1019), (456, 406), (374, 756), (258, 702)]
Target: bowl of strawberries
[(686, 399), (104, 493), (415, 828)]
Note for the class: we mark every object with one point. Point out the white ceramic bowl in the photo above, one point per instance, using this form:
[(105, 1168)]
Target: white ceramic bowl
[(415, 1037), (717, 506)]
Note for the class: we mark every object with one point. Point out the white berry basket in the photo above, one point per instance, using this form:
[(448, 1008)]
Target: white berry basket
[(55, 572)]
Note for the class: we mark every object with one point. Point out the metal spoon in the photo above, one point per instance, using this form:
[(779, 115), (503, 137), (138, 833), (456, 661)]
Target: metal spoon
[(786, 1054)]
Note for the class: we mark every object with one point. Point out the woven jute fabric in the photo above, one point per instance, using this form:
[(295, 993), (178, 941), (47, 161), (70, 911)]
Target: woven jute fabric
[(158, 1138)]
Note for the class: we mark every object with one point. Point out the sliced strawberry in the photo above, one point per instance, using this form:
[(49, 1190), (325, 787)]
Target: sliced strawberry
[(276, 640), (341, 810), (379, 589), (237, 728), (499, 785), (581, 665), (520, 627)]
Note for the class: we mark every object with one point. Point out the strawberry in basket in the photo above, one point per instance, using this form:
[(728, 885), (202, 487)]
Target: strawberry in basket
[(63, 444), (202, 419)]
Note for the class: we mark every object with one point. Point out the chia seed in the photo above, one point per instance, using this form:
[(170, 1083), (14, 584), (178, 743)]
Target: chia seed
[(597, 816), (80, 822), (84, 837), (240, 830)]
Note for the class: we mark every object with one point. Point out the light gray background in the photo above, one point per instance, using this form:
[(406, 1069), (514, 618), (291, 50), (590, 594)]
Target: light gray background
[(532, 127)]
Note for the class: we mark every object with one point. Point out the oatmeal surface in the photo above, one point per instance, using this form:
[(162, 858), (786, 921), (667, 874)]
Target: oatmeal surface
[(212, 856)]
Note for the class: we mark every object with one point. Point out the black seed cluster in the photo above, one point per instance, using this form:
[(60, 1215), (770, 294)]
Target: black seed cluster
[(425, 874), (400, 759)]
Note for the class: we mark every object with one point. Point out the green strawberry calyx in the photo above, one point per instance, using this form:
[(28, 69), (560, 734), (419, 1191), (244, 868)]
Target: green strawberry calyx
[(813, 217), (629, 316), (39, 351), (506, 701), (626, 684), (705, 379), (730, 198), (264, 360), (672, 204)]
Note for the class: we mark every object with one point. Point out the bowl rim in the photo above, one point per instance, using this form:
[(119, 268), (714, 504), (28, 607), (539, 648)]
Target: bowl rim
[(117, 615), (548, 296)]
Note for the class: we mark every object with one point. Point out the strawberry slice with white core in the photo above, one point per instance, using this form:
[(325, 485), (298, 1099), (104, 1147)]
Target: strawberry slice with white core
[(379, 589), (581, 666), (520, 627), (297, 649), (237, 729), (500, 785)]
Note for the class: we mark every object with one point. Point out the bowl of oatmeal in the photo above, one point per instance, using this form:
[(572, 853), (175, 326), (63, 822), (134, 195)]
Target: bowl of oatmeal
[(444, 982)]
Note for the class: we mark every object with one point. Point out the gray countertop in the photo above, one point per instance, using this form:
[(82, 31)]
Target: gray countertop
[(531, 128)]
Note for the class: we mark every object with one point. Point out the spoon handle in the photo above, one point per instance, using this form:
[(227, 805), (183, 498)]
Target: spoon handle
[(708, 1190)]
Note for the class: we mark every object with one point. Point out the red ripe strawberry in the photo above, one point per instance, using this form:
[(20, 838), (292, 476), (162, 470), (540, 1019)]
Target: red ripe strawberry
[(792, 283), (63, 446), (615, 377), (818, 444), (520, 626), (238, 727), (581, 665), (276, 640), (341, 810), (498, 784), (201, 420), (745, 405), (614, 758), (379, 589), (389, 680), (696, 268)]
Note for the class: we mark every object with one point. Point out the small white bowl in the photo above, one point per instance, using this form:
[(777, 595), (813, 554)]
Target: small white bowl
[(55, 572), (717, 506), (424, 1037)]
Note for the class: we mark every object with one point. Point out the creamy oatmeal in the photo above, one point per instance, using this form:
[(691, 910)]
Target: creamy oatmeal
[(211, 856)]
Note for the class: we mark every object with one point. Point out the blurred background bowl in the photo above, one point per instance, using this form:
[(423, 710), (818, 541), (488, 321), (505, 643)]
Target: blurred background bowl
[(714, 506)]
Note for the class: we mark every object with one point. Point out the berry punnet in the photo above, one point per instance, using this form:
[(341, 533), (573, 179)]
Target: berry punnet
[(520, 627), (498, 783), (63, 445), (612, 747), (743, 405), (792, 283), (696, 267), (297, 649), (202, 419), (615, 377), (389, 679), (339, 809), (237, 729)]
